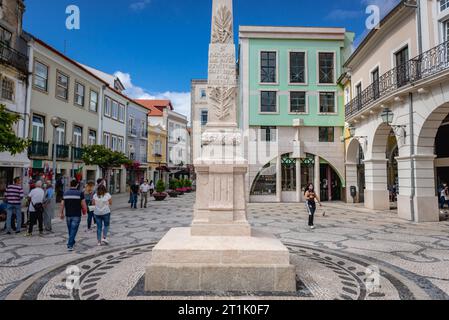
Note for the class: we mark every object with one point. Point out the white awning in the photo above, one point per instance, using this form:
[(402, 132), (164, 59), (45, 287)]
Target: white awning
[(17, 161)]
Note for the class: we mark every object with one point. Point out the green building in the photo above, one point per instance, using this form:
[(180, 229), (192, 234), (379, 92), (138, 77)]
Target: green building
[(293, 110)]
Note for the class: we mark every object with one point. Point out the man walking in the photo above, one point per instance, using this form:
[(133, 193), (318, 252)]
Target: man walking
[(14, 197), (36, 208), (75, 206), (49, 206), (134, 195), (144, 190)]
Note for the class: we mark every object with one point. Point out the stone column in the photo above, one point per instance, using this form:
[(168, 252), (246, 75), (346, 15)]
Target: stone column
[(317, 177), (377, 196), (422, 204), (279, 179), (298, 180), (351, 180)]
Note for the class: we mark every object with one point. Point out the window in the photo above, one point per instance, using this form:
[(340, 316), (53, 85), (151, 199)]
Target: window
[(143, 153), (60, 134), (62, 86), (120, 144), (5, 36), (79, 94), (93, 105), (376, 83), (7, 89), (143, 128), (265, 182), (38, 128), (180, 154), (92, 137), (204, 117), (326, 134), (114, 110), (131, 126), (121, 113), (327, 102), (107, 106), (171, 129), (77, 137), (358, 89), (114, 143), (170, 155), (268, 67), (203, 94), (40, 76), (288, 173), (298, 102), (157, 148), (268, 134), (402, 67), (326, 68), (444, 4), (106, 140), (268, 101), (297, 67)]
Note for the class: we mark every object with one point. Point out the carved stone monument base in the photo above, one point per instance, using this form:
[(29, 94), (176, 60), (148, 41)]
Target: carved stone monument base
[(185, 263)]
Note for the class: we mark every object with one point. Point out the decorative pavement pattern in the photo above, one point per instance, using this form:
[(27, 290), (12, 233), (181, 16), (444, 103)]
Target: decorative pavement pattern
[(354, 254)]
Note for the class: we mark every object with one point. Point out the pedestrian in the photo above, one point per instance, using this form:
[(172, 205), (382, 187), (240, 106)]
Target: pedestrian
[(442, 195), (446, 196), (49, 206), (311, 200), (13, 199), (36, 208), (135, 188), (144, 190), (89, 197), (102, 201), (75, 207), (151, 188)]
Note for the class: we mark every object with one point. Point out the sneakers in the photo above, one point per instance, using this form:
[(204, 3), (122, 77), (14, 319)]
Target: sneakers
[(99, 244), (70, 249), (105, 241), (312, 227), (8, 233)]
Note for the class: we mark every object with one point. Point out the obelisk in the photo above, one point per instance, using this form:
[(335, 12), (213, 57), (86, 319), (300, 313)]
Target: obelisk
[(220, 252)]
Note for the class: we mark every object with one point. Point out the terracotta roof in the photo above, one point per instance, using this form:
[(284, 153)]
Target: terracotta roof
[(156, 107)]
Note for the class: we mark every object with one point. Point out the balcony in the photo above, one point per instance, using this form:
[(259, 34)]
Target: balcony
[(132, 131), (77, 154), (13, 58), (62, 152), (428, 64), (38, 149)]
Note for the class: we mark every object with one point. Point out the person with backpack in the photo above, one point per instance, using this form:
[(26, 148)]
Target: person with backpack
[(311, 201), (102, 201), (74, 206), (36, 208)]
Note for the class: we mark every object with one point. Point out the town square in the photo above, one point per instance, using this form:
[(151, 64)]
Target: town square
[(234, 154)]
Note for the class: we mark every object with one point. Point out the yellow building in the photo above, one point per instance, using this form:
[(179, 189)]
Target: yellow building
[(157, 152)]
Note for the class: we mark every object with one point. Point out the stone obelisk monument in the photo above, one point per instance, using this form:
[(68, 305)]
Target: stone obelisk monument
[(220, 252)]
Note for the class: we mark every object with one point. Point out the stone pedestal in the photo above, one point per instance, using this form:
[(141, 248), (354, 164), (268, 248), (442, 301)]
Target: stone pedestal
[(185, 263)]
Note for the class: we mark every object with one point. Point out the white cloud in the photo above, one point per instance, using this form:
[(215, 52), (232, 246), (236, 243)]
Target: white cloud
[(181, 100), (140, 5)]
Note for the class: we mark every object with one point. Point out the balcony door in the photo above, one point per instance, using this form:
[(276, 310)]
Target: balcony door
[(38, 128), (77, 137), (376, 84), (402, 57), (60, 134)]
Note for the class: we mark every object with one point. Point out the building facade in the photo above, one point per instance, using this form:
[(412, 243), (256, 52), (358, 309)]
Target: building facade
[(14, 69), (399, 112), (178, 146), (293, 110), (199, 115)]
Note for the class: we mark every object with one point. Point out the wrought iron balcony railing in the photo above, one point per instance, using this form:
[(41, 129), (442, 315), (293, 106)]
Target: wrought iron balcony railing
[(419, 68), (38, 149), (13, 58), (62, 152), (77, 154)]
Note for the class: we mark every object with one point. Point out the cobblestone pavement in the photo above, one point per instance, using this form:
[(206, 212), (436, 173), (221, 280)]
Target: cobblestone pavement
[(335, 261)]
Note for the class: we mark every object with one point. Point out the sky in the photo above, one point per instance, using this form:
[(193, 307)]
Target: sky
[(157, 46)]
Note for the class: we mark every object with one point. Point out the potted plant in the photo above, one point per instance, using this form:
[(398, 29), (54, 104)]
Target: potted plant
[(188, 185), (172, 189), (160, 194), (179, 188)]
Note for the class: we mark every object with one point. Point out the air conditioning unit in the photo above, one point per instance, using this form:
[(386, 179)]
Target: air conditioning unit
[(298, 123)]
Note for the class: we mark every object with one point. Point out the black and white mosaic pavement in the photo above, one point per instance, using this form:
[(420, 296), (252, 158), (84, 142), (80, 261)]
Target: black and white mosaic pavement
[(354, 254)]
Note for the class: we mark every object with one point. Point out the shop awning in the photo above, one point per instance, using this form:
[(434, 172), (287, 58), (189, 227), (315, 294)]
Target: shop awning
[(18, 161)]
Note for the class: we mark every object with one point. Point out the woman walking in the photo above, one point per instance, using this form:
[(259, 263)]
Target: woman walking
[(102, 201), (89, 197), (311, 200)]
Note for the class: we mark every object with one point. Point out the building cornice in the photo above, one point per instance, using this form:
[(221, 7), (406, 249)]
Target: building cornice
[(263, 32)]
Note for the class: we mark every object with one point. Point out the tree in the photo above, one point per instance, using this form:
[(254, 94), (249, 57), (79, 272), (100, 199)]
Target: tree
[(105, 158), (9, 142)]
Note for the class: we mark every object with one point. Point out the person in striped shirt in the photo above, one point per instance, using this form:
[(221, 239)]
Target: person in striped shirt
[(14, 197)]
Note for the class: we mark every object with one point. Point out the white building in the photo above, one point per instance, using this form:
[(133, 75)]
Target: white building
[(199, 114)]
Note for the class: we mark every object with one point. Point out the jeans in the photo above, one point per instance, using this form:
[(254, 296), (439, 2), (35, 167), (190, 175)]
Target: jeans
[(17, 210), (103, 223), (133, 200), (90, 218), (311, 209), (36, 216), (442, 202), (144, 198), (73, 224)]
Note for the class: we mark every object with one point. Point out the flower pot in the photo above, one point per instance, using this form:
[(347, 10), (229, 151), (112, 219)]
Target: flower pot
[(160, 196), (172, 194), (180, 191)]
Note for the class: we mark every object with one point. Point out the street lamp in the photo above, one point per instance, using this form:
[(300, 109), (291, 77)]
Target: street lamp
[(56, 123), (387, 118)]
